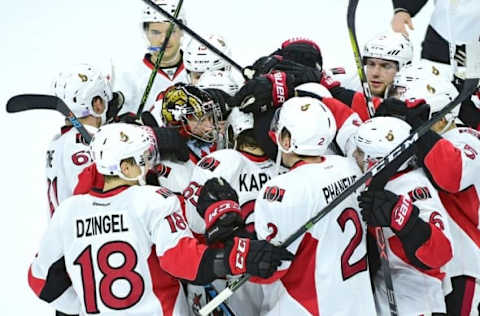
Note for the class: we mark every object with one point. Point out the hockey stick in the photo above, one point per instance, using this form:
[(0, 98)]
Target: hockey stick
[(351, 9), (159, 58), (24, 102), (396, 153), (380, 237), (195, 35)]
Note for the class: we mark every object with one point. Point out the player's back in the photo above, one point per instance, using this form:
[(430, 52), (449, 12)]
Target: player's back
[(67, 155), (109, 253), (330, 262)]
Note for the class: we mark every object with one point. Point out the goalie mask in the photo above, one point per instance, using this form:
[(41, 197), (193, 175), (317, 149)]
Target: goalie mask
[(114, 143), (425, 82), (78, 88), (193, 111), (377, 137)]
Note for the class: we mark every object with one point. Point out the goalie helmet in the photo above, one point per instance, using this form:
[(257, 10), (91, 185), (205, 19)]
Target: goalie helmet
[(425, 82), (310, 123), (198, 58), (390, 46), (150, 15), (377, 137), (79, 86), (113, 143), (218, 79), (182, 104)]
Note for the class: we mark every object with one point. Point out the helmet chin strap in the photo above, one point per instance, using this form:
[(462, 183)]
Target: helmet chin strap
[(140, 178)]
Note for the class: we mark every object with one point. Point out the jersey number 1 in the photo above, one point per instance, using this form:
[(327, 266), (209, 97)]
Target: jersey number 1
[(110, 274)]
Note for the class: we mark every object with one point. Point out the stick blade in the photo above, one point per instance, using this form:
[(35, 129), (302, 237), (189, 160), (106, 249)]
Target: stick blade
[(25, 102)]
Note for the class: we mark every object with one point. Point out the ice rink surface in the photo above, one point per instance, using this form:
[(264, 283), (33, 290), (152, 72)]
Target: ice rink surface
[(40, 38)]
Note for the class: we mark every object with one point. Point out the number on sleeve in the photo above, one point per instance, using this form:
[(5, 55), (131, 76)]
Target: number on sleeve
[(175, 221), (80, 158), (192, 192), (349, 270)]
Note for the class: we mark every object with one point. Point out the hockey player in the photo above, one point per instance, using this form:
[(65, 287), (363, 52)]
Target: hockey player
[(120, 247), (132, 82), (415, 224), (246, 169), (87, 93), (331, 256), (456, 147), (199, 59)]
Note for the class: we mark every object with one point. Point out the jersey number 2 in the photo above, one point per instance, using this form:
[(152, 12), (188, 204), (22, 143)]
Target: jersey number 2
[(349, 270), (110, 274)]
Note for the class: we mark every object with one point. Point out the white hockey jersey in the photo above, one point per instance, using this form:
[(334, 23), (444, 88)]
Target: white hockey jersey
[(67, 155), (175, 175), (132, 83), (329, 275), (247, 174), (461, 197), (120, 251), (417, 291)]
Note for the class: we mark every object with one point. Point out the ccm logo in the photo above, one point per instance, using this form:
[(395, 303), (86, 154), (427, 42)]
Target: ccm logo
[(219, 210), (241, 253)]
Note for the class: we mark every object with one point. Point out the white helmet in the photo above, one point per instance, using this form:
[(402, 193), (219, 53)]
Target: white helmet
[(425, 82), (237, 122), (390, 46), (378, 136), (218, 79), (310, 123), (198, 58), (149, 14), (116, 142), (312, 89), (79, 86)]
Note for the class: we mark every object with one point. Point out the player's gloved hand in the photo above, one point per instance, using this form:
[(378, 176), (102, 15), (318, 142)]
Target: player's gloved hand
[(221, 98), (262, 66), (256, 257), (386, 209), (264, 92), (115, 105), (302, 51), (218, 205)]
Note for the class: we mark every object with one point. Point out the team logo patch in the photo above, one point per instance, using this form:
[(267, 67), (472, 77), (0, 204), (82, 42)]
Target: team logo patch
[(420, 193), (83, 77), (274, 194), (123, 137), (209, 163), (431, 89), (390, 136), (164, 192), (305, 107)]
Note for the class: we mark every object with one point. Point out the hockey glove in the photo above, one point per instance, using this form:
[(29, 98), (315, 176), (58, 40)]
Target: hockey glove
[(221, 98), (386, 209), (170, 141), (262, 66), (303, 51), (256, 257), (218, 205), (262, 93)]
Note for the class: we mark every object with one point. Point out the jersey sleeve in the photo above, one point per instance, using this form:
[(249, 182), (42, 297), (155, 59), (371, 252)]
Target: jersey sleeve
[(179, 253), (460, 156), (347, 122), (47, 275)]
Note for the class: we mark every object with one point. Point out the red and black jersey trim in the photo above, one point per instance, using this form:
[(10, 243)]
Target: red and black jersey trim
[(58, 281), (254, 158), (65, 129), (147, 60)]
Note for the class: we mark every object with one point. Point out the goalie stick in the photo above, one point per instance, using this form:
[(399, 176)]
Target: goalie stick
[(351, 9), (195, 35), (25, 102), (148, 88), (380, 237), (397, 153)]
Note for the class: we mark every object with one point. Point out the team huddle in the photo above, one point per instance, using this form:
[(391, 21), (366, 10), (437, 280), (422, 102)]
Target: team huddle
[(169, 204)]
